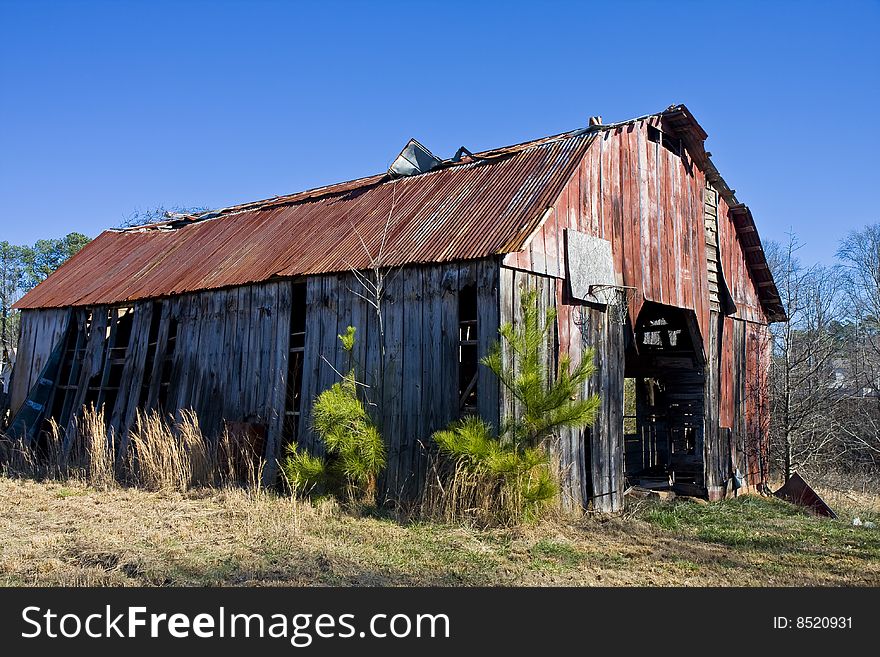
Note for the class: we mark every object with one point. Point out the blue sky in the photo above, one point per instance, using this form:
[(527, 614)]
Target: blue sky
[(109, 107)]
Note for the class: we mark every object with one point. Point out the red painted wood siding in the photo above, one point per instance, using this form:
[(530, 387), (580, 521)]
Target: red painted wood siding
[(649, 203)]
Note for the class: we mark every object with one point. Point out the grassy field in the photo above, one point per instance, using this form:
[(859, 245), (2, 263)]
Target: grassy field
[(68, 534)]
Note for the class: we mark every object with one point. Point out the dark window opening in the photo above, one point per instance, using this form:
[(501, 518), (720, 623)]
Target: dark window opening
[(120, 322), (468, 350), (167, 362), (295, 357), (671, 144)]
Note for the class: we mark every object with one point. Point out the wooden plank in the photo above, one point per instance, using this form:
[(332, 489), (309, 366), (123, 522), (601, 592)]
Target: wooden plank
[(153, 370), (411, 391), (447, 393), (93, 361), (488, 393), (431, 376), (278, 386), (311, 363), (392, 384), (22, 375), (130, 382)]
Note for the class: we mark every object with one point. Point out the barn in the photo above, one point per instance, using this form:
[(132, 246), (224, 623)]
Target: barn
[(627, 229)]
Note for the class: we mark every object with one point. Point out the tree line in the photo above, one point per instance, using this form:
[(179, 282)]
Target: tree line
[(22, 267), (825, 366)]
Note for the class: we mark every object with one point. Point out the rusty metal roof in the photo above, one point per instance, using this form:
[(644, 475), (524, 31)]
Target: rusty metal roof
[(482, 205)]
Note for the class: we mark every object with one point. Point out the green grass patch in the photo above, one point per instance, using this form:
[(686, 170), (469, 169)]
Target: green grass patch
[(766, 524), (555, 555)]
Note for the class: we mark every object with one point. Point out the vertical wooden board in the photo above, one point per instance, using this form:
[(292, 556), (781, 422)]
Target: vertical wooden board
[(614, 390), (642, 262), (210, 401), (488, 300), (250, 353), (171, 312), (40, 339), (345, 303), (329, 331), (447, 393), (568, 437), (740, 402), (726, 374), (371, 359), (507, 281), (203, 390), (230, 372), (268, 355), (311, 363), (246, 339), (357, 309), (411, 380), (93, 360), (595, 188), (432, 412), (537, 252), (629, 210), (520, 285), (615, 210), (551, 240), (604, 189), (153, 368), (393, 317), (711, 433), (129, 391), (22, 373), (547, 301), (278, 385), (662, 251), (185, 352)]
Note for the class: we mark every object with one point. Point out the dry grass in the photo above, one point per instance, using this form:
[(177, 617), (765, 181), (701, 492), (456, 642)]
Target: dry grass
[(70, 534), (159, 454)]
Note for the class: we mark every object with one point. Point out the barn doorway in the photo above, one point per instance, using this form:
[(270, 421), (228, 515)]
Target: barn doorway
[(663, 401)]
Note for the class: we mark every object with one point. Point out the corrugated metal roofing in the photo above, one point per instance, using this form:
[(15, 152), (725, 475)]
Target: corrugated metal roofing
[(488, 204), (484, 205)]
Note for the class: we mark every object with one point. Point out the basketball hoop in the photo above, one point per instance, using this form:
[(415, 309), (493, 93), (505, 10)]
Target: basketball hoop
[(616, 298)]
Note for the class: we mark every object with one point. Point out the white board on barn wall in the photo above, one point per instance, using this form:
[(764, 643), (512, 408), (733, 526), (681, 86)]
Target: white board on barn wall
[(590, 266)]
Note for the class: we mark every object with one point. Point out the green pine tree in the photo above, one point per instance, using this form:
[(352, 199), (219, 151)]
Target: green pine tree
[(355, 451), (513, 466)]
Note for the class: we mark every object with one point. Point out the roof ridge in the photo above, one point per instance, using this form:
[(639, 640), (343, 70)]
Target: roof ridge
[(180, 220)]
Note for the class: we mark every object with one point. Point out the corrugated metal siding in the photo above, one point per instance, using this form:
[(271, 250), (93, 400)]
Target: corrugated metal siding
[(457, 213)]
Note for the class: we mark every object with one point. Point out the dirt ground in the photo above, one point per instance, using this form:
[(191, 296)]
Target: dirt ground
[(68, 534)]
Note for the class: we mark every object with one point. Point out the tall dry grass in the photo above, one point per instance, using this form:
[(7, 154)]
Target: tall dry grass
[(160, 454), (457, 494)]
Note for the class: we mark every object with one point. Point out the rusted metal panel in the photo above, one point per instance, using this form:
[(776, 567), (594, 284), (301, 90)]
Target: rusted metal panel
[(609, 181), (799, 492), (470, 210)]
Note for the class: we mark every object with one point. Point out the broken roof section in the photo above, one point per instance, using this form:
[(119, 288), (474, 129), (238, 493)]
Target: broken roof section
[(468, 207)]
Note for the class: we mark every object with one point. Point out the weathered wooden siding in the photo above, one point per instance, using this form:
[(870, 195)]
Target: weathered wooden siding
[(590, 460), (41, 330), (421, 344), (757, 402), (674, 240), (737, 421), (648, 202), (224, 354), (736, 270)]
